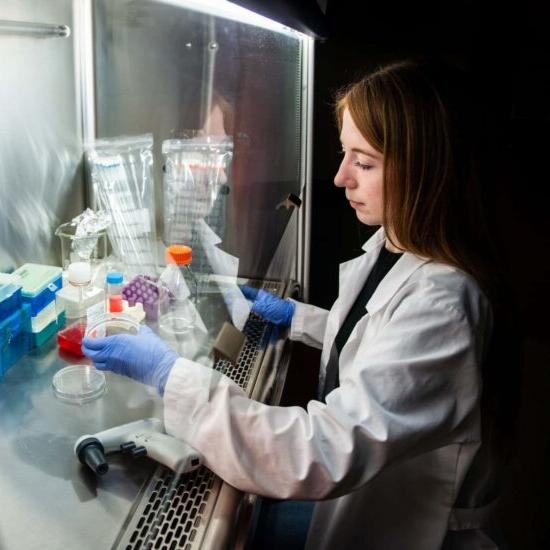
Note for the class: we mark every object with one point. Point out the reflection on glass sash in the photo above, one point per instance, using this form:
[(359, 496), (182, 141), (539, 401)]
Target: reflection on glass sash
[(196, 171)]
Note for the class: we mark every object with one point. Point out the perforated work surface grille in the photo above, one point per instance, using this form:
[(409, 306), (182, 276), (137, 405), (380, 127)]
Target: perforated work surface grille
[(173, 511)]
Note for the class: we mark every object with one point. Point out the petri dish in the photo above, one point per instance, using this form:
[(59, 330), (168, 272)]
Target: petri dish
[(111, 324), (78, 384)]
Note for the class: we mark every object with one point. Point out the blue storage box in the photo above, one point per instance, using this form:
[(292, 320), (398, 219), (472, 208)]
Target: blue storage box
[(39, 284), (15, 338), (10, 299)]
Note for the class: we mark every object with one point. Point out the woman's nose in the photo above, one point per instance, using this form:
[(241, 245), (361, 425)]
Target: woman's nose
[(343, 177)]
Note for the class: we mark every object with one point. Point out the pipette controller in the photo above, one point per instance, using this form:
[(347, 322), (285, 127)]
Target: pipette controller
[(140, 438)]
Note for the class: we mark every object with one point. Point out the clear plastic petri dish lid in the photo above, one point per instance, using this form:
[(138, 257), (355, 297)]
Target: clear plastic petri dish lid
[(177, 323), (111, 324), (78, 384)]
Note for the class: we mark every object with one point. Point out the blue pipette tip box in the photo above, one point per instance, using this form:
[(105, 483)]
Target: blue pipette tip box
[(39, 284)]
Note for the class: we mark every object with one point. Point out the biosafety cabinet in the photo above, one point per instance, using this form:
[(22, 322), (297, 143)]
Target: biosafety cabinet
[(74, 73)]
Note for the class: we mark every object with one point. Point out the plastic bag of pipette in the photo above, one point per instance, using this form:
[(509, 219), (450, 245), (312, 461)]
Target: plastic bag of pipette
[(122, 177), (195, 184)]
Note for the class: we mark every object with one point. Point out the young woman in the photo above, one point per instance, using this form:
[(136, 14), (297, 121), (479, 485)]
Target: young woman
[(393, 450)]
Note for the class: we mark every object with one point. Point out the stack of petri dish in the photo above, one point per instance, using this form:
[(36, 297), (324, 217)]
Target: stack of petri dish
[(111, 324), (80, 384)]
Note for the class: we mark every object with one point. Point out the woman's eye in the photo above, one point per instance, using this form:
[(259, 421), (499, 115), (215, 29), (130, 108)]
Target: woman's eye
[(362, 166)]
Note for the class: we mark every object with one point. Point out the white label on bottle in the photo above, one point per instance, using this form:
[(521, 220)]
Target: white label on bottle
[(93, 314)]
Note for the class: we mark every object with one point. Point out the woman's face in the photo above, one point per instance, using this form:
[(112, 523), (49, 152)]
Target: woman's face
[(361, 173)]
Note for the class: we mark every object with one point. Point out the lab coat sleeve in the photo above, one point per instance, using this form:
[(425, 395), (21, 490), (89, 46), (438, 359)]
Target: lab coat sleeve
[(308, 324), (408, 391)]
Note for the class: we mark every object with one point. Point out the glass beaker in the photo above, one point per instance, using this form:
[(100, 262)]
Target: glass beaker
[(75, 248)]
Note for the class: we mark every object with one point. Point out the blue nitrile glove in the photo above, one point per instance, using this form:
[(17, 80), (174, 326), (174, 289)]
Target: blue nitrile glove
[(143, 357), (272, 308)]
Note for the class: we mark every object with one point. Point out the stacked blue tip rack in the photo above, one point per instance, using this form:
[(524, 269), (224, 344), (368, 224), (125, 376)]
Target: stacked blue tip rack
[(28, 317), (14, 326)]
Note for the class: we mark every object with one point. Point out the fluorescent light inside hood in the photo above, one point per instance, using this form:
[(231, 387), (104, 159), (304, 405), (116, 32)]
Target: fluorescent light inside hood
[(228, 10)]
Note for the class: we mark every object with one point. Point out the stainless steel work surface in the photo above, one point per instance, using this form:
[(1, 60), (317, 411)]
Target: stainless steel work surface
[(49, 501)]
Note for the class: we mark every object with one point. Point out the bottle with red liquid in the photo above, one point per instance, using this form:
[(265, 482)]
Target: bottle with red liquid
[(82, 303), (113, 287)]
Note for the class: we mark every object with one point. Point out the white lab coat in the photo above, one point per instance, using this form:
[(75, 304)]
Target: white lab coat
[(388, 452)]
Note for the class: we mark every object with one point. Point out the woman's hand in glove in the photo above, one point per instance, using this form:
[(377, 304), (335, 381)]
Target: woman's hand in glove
[(272, 308), (143, 357)]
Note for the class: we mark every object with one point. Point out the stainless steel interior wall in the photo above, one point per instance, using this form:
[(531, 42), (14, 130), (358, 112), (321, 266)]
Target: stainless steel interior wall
[(160, 68), (40, 145)]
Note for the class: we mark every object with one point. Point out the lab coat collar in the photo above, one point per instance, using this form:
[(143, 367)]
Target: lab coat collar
[(398, 274), (376, 241), (390, 284), (353, 275)]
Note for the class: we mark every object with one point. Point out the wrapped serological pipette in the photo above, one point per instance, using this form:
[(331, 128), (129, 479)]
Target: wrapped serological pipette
[(122, 176)]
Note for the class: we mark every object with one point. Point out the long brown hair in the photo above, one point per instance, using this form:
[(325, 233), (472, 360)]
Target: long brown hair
[(415, 114)]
